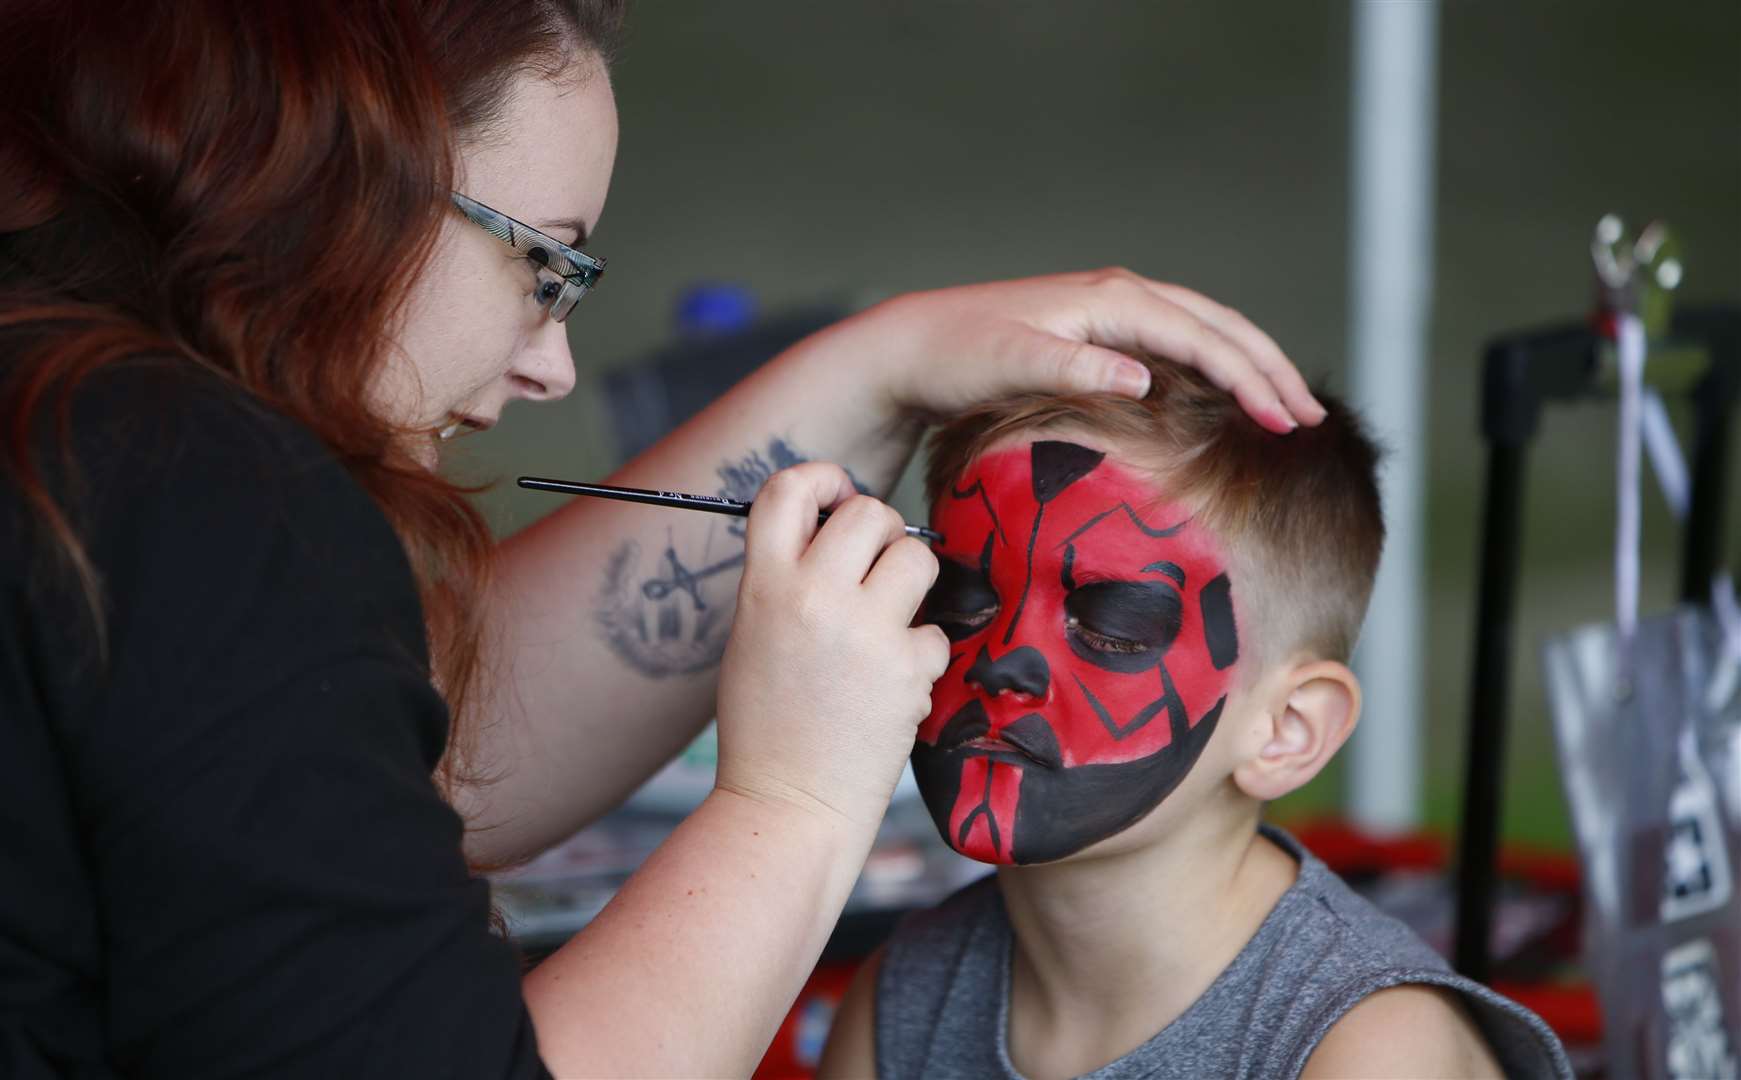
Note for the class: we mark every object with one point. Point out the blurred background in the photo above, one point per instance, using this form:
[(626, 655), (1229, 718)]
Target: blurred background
[(828, 155)]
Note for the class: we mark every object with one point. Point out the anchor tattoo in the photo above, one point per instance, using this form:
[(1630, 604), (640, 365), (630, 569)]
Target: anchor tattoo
[(683, 579)]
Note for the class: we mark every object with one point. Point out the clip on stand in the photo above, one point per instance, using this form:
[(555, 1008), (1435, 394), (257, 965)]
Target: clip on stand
[(1694, 354)]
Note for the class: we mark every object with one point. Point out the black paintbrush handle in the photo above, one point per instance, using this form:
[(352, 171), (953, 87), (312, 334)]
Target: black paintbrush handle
[(680, 500)]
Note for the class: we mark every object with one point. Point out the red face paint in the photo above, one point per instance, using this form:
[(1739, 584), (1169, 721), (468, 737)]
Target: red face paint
[(1094, 645)]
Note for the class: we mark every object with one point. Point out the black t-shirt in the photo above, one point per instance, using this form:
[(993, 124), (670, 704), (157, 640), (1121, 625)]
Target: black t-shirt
[(221, 850)]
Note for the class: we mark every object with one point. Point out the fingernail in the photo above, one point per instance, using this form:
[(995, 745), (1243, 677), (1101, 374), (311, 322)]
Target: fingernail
[(1131, 378)]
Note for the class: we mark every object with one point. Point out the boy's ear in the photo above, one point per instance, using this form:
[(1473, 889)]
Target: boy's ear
[(1309, 714)]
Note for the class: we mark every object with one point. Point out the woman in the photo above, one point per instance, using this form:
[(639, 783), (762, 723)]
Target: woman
[(244, 294)]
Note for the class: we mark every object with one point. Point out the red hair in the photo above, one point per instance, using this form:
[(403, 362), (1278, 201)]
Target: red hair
[(250, 189), (1300, 511)]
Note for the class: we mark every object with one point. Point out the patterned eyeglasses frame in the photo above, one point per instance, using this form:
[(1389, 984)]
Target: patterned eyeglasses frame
[(564, 273)]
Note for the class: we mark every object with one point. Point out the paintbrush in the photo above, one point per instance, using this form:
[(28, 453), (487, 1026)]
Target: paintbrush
[(711, 504)]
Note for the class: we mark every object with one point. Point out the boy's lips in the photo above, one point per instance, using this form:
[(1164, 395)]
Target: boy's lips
[(999, 750), (1029, 737)]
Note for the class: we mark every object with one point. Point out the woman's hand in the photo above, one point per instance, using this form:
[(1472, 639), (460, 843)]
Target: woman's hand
[(934, 353), (825, 680)]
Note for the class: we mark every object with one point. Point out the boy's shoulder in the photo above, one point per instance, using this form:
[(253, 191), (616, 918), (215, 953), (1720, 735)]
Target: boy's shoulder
[(1381, 997), (1410, 1029), (1325, 970)]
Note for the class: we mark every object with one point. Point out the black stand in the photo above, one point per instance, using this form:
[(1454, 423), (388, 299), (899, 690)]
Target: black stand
[(1522, 373)]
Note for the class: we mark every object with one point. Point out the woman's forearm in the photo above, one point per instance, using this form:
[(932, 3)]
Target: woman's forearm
[(609, 619), (690, 969)]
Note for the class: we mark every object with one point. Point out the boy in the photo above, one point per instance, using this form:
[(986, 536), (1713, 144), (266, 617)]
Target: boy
[(1152, 604)]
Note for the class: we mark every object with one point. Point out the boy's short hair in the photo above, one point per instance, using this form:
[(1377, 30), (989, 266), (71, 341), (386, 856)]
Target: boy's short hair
[(1300, 512)]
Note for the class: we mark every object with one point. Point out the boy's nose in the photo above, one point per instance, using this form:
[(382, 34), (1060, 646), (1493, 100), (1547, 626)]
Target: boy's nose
[(1022, 670)]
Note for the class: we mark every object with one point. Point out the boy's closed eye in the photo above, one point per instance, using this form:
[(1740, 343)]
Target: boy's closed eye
[(1123, 617), (962, 602)]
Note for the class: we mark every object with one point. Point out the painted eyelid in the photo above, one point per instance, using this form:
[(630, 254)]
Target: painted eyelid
[(961, 603), (956, 578), (957, 627), (1136, 611), (944, 608), (964, 618), (1087, 630), (1089, 637)]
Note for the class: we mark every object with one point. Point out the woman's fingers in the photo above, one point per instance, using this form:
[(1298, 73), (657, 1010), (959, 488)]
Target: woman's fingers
[(930, 651), (1067, 334), (1047, 363), (825, 680), (904, 573), (1268, 357), (855, 534), (783, 519), (1125, 314)]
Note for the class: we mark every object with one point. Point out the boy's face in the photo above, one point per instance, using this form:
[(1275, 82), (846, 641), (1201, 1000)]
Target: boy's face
[(1094, 649)]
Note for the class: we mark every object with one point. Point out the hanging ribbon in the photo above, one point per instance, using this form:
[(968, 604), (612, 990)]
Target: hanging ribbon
[(1630, 350), (1645, 416)]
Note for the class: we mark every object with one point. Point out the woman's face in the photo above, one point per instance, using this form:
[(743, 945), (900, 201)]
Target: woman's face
[(474, 336)]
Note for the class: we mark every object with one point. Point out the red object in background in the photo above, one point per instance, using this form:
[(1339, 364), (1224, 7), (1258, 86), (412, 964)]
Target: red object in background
[(1572, 1011), (1350, 852), (797, 1046)]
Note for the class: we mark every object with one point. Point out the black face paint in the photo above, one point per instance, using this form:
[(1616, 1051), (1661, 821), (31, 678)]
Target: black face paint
[(1122, 625), (962, 599), (1103, 642), (1054, 467), (1218, 628), (1022, 670), (1082, 801)]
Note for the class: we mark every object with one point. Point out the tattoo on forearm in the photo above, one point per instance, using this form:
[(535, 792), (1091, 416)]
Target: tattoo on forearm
[(662, 617), (745, 477), (669, 614)]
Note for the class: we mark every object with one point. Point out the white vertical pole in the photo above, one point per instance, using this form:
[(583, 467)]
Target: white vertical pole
[(1393, 106)]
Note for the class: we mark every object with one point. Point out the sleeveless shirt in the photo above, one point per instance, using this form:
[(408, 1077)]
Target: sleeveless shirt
[(942, 995)]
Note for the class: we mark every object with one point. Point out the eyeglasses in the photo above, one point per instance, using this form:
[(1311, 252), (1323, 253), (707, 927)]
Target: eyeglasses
[(564, 273)]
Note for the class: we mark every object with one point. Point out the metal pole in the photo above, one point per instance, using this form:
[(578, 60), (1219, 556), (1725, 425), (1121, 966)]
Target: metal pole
[(1484, 757), (1394, 110), (1714, 404)]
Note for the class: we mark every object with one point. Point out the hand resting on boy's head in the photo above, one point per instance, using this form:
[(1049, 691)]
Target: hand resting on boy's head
[(1071, 333)]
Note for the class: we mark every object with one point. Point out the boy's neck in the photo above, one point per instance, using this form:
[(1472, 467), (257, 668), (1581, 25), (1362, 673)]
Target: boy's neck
[(1110, 950)]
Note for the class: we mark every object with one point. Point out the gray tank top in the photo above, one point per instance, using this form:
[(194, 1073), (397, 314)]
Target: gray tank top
[(942, 997)]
